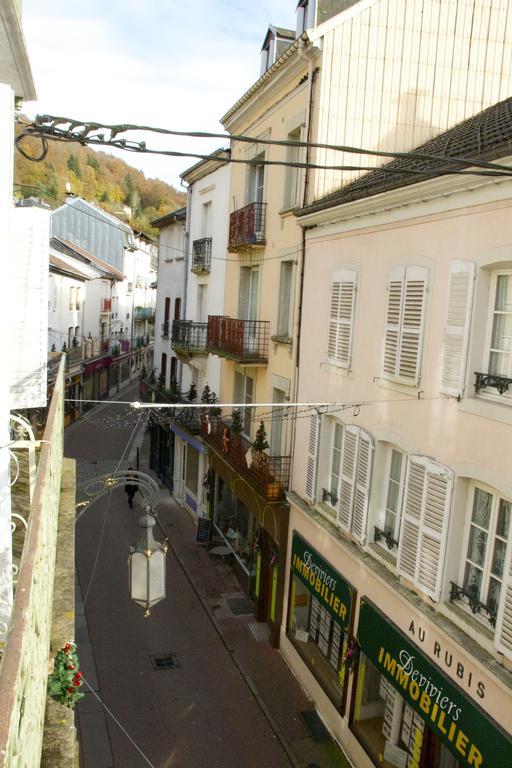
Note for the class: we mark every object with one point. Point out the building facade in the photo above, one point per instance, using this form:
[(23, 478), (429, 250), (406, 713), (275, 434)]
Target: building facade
[(399, 569)]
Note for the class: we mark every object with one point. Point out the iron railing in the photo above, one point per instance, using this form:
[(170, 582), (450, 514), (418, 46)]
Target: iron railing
[(240, 340), (500, 383), (247, 226), (387, 536), (270, 475), (475, 605), (189, 338), (201, 255)]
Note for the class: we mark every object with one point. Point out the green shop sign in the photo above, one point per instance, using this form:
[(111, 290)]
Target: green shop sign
[(333, 592), (467, 732)]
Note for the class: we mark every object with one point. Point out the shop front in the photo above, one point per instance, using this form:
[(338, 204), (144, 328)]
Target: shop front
[(320, 613), (407, 713), (254, 531), (190, 466)]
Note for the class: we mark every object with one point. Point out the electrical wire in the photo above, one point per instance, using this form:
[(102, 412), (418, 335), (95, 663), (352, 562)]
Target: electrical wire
[(79, 131)]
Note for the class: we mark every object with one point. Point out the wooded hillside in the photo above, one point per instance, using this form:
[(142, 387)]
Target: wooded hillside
[(96, 176)]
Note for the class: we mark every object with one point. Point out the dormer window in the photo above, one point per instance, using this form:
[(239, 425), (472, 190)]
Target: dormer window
[(305, 15), (277, 40)]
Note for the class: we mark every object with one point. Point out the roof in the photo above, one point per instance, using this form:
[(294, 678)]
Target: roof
[(204, 167), (180, 214), (103, 266), (485, 136), (14, 62), (58, 263)]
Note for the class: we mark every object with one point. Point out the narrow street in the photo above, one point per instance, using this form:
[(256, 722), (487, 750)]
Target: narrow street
[(207, 709)]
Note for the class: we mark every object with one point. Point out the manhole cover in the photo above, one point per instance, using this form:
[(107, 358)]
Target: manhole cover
[(239, 605), (314, 725), (166, 661)]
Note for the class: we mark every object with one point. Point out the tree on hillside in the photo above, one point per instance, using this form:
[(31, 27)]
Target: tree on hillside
[(74, 165)]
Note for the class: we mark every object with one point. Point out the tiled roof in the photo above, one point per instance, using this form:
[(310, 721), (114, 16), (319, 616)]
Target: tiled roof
[(106, 268), (485, 136)]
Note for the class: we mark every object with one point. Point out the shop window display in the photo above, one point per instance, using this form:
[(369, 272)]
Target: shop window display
[(319, 639), (391, 732), (235, 524)]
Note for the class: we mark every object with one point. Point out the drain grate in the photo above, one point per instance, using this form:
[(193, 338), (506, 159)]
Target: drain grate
[(260, 631), (166, 661), (314, 725)]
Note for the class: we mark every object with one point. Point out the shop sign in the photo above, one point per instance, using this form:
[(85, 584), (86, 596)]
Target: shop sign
[(331, 590), (467, 732)]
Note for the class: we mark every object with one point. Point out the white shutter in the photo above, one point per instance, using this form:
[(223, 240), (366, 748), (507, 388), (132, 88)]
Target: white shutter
[(244, 293), (425, 516), (27, 319), (312, 462), (403, 336), (503, 636), (362, 486), (341, 317), (348, 466), (456, 333)]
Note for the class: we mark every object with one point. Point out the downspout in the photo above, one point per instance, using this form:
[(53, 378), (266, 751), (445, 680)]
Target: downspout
[(188, 220), (309, 129)]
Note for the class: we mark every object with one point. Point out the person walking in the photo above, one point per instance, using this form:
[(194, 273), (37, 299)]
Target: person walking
[(129, 488)]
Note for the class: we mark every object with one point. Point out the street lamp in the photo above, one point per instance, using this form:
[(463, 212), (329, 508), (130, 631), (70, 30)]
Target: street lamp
[(147, 557), (147, 565)]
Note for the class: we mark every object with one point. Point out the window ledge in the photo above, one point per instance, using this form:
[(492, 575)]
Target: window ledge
[(399, 385), (488, 407), (288, 211), (384, 556), (336, 368), (282, 340)]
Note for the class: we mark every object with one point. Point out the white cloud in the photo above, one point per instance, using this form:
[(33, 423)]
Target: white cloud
[(181, 66)]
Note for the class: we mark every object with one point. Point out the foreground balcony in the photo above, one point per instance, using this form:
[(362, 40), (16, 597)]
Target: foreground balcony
[(189, 338), (247, 227), (245, 341), (270, 475), (201, 255)]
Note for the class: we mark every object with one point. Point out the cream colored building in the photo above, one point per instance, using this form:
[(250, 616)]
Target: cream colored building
[(400, 547)]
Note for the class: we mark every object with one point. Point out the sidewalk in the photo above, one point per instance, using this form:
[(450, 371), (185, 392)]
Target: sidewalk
[(276, 691)]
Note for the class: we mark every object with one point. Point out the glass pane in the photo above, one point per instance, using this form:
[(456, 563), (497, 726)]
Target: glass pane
[(396, 465), (493, 597), (477, 545), (498, 558), (499, 363), (392, 500), (482, 508), (503, 293), (502, 333), (338, 432), (472, 580), (389, 522), (503, 518)]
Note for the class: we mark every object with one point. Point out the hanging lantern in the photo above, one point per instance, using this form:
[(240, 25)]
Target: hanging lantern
[(147, 566)]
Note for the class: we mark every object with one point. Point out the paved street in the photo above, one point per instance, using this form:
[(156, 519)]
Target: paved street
[(230, 700)]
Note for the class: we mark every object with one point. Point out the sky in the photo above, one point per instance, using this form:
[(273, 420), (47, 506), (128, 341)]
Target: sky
[(161, 63)]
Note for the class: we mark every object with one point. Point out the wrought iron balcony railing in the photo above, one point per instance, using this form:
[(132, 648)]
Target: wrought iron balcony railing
[(500, 383), (247, 226), (245, 341), (189, 338), (270, 475), (201, 255), (329, 497), (387, 536), (474, 604)]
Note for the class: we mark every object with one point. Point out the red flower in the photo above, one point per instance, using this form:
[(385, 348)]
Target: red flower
[(77, 679), (71, 666), (68, 647), (70, 690)]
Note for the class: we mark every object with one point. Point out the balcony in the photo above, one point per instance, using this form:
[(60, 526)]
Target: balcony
[(468, 598), (189, 338), (500, 383), (245, 341), (106, 306), (247, 227), (270, 475), (201, 255)]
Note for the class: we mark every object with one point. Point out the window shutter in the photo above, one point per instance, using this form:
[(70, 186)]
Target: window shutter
[(313, 445), (503, 636), (403, 336), (426, 510), (347, 477), (456, 333), (341, 317), (362, 486)]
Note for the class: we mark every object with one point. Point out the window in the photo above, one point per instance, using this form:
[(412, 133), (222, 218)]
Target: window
[(404, 329), (177, 308), (487, 544), (201, 303), (244, 393), (277, 432), (254, 182), (389, 523), (334, 479), (167, 309), (206, 219), (293, 173), (248, 293), (71, 298), (456, 334), (498, 353), (341, 318), (174, 368), (424, 528), (285, 299), (163, 367), (77, 300), (129, 288)]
